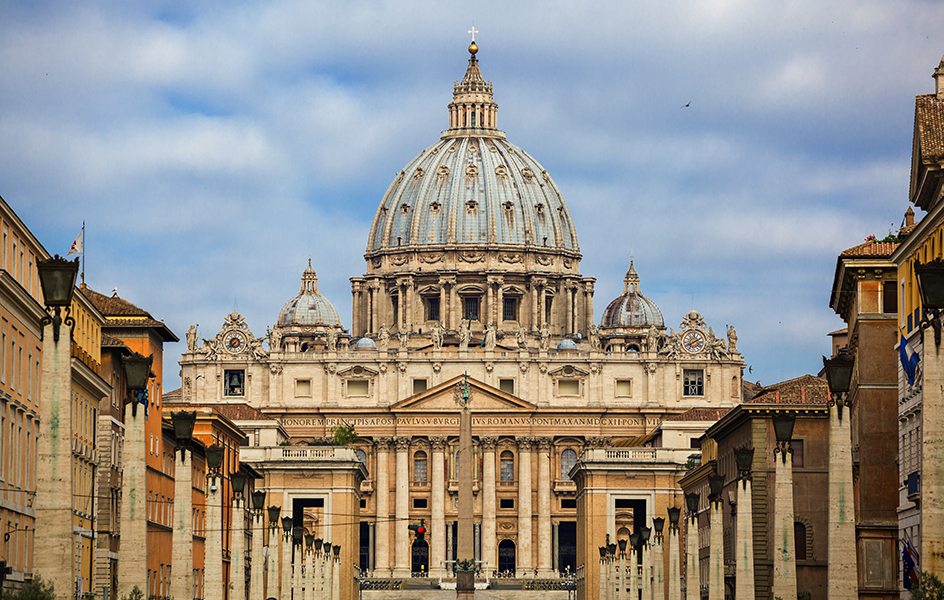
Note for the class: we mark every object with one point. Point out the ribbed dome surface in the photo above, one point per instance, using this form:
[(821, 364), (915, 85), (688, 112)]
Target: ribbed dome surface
[(632, 309), (473, 190), (308, 307)]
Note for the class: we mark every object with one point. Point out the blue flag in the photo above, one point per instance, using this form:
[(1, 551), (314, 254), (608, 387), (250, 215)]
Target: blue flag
[(909, 362), (909, 562)]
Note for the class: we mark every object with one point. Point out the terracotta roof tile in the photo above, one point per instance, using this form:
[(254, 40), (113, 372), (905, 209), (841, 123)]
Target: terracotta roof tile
[(242, 412), (700, 414), (929, 120), (114, 306), (111, 342), (807, 389), (871, 248)]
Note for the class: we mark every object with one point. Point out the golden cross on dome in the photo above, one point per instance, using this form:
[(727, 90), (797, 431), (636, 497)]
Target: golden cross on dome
[(473, 31)]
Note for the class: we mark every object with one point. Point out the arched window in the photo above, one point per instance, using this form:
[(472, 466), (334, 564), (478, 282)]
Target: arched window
[(568, 460), (799, 539), (419, 467), (361, 456), (507, 466)]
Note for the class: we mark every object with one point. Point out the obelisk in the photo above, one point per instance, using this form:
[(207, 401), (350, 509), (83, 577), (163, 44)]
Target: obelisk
[(465, 552)]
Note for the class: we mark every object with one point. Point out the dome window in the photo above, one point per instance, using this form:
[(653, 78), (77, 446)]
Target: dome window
[(471, 206), (540, 208), (404, 208), (528, 174), (508, 205), (501, 171), (435, 206), (443, 173), (419, 174), (471, 171)]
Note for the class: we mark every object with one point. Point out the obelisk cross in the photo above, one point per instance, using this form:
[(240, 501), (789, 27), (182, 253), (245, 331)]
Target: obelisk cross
[(473, 31)]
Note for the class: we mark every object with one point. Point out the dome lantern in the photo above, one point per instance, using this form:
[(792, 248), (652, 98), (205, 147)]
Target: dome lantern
[(631, 309), (308, 307), (473, 110)]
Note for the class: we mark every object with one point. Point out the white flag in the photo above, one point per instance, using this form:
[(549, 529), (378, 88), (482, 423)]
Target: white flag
[(78, 247)]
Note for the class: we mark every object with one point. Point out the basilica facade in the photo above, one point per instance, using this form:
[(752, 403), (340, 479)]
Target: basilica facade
[(472, 274)]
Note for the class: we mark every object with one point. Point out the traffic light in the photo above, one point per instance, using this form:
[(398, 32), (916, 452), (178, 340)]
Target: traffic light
[(419, 530)]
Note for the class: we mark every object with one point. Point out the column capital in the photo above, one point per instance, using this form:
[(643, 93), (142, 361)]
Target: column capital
[(496, 280), (383, 443), (447, 280), (544, 443), (525, 442), (438, 442), (488, 442), (402, 443)]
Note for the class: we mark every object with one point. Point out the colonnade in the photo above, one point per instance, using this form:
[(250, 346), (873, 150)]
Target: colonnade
[(531, 552)]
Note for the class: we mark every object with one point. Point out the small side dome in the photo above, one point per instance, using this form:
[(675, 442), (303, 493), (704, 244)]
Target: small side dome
[(365, 343), (566, 344), (309, 307), (632, 309)]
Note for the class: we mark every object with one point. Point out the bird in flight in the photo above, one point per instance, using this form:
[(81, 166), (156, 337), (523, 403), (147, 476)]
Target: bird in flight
[(686, 105)]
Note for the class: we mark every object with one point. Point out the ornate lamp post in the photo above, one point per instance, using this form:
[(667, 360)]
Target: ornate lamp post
[(286, 588), (841, 566), (213, 554), (675, 574), (328, 572), (298, 538), (744, 556), (54, 485), (621, 579), (930, 278), (318, 585), (785, 584), (644, 583), (336, 573), (692, 575), (657, 588), (716, 534), (309, 570), (181, 585), (237, 564), (604, 576), (275, 569), (256, 584)]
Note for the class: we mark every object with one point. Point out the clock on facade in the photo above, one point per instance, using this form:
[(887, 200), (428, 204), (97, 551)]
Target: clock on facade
[(693, 341), (234, 342)]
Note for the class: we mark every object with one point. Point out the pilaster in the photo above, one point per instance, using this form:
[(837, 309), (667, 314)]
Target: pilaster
[(524, 506), (382, 543), (437, 526), (402, 554), (489, 532), (544, 507)]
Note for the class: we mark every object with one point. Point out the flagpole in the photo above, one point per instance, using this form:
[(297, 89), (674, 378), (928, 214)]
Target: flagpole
[(83, 252)]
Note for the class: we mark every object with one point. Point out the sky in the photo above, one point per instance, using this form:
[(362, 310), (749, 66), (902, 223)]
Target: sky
[(732, 148)]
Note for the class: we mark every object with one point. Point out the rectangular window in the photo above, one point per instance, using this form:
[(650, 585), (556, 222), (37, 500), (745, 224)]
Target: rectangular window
[(568, 503), (234, 381), (419, 503), (694, 443), (568, 387), (694, 383), (363, 503), (3, 357), (510, 309), (889, 298), (303, 387), (506, 503), (624, 387), (432, 309), (4, 249), (470, 308), (29, 376), (14, 258), (419, 386), (507, 386), (358, 387), (797, 446)]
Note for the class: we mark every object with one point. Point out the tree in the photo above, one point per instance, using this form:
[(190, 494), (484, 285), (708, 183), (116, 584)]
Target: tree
[(929, 587), (37, 589), (343, 433), (136, 594)]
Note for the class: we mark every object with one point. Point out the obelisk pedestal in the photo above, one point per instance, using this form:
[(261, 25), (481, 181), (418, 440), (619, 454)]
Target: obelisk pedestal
[(465, 551)]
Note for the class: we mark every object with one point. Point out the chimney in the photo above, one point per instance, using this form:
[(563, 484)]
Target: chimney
[(939, 80), (909, 214)]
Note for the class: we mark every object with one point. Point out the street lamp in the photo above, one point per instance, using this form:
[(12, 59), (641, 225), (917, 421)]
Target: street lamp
[(238, 482), (644, 533), (274, 512), (743, 458), (622, 544), (674, 513), (183, 421), (715, 486), (691, 500), (318, 543), (137, 372), (258, 500), (930, 277), (57, 280), (298, 534), (658, 523), (783, 429), (287, 525), (309, 540)]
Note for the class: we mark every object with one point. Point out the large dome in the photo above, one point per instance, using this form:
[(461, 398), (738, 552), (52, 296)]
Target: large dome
[(632, 309), (473, 187), (308, 308)]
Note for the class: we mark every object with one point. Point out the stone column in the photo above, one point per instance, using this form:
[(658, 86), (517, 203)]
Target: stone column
[(535, 317), (132, 568), (272, 577), (401, 567), (645, 585), (542, 306), (371, 304), (675, 574), (569, 301), (453, 306), (555, 547), (297, 581), (500, 317), (287, 564), (213, 543), (841, 567), (785, 583), (658, 564), (382, 554), (524, 507), (318, 584), (401, 305), (237, 548), (181, 584), (932, 458), (744, 536), (328, 587), (449, 556), (489, 532), (604, 579), (544, 507), (443, 303), (477, 527), (336, 579), (589, 292), (54, 479), (716, 556), (410, 304), (437, 525), (621, 578), (256, 583), (692, 575), (371, 543), (307, 552), (489, 312)]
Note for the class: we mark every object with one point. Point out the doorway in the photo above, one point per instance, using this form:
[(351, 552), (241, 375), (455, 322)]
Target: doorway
[(420, 562), (506, 557), (567, 546)]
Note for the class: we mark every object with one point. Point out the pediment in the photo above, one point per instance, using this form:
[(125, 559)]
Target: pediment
[(442, 398), (569, 371)]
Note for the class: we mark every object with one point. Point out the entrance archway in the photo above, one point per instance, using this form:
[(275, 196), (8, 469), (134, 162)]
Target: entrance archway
[(506, 556), (420, 563), (567, 546)]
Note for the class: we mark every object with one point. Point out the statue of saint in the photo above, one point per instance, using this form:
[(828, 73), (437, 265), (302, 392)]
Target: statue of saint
[(384, 337), (545, 336), (404, 336), (332, 339), (465, 335), (594, 336), (489, 342), (275, 340), (436, 333), (732, 340), (192, 339), (522, 337)]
